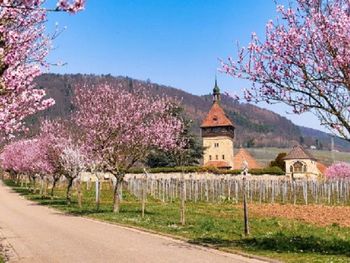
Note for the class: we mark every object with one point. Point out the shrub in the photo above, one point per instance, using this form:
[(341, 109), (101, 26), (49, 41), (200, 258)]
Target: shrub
[(338, 170), (275, 170), (208, 169), (279, 162)]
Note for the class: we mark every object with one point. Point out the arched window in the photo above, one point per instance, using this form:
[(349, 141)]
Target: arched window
[(299, 167)]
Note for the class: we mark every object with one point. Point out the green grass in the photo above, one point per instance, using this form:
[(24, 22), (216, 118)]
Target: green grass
[(2, 260), (217, 225)]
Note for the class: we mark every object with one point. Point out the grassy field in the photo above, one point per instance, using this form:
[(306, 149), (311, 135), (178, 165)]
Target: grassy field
[(265, 155), (217, 225)]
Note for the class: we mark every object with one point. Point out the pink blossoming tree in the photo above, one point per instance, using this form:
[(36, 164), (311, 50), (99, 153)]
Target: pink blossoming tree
[(24, 46), (73, 162), (64, 153), (27, 157), (304, 62), (121, 128), (55, 137), (338, 171)]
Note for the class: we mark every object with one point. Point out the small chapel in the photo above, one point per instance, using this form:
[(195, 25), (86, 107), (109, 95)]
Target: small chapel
[(218, 135), (299, 163)]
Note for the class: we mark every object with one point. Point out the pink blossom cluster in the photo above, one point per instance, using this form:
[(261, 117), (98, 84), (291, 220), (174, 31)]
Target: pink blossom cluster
[(304, 62), (24, 46), (121, 127), (338, 170), (23, 49), (65, 154), (72, 6), (26, 157), (51, 153), (73, 161)]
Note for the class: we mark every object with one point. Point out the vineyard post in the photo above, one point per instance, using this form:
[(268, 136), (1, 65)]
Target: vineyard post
[(144, 191), (80, 196), (97, 191), (182, 196), (245, 207)]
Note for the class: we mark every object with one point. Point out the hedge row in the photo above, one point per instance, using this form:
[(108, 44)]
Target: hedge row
[(200, 169)]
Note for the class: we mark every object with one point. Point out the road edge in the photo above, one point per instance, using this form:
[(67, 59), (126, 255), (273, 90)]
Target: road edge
[(206, 247)]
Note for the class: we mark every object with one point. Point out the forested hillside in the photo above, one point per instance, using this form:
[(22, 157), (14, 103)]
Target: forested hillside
[(255, 126)]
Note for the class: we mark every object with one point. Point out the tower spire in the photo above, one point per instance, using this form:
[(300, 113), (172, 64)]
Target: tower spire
[(216, 91)]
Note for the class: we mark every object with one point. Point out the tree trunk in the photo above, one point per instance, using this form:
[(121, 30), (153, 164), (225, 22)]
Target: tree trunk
[(68, 193), (117, 190), (245, 208), (34, 184), (53, 186)]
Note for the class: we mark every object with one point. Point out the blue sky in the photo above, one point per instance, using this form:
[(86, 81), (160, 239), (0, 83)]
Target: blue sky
[(172, 42)]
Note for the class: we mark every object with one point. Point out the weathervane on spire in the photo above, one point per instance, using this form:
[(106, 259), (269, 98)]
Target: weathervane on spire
[(216, 91)]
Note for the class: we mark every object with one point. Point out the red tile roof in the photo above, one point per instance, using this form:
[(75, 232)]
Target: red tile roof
[(218, 164), (242, 155), (321, 167), (298, 152), (216, 117)]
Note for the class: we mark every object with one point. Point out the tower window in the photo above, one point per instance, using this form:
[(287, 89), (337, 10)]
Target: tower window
[(209, 157), (217, 157), (223, 157), (216, 145)]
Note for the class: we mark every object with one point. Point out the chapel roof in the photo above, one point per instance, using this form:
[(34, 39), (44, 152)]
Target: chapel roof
[(321, 167), (298, 152), (242, 155)]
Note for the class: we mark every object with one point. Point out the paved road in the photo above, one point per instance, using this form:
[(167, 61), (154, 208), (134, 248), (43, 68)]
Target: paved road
[(41, 234)]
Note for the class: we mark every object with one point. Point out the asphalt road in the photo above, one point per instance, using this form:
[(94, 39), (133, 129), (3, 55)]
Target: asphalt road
[(40, 234)]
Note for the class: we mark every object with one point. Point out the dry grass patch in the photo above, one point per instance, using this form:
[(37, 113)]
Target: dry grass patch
[(316, 214)]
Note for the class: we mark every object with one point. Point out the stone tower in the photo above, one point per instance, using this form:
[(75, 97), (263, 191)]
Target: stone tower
[(218, 135)]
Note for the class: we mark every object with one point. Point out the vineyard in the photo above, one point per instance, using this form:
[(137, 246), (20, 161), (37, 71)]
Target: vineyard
[(271, 189)]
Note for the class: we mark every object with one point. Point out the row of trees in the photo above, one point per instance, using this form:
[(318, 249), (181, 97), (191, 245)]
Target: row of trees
[(111, 131)]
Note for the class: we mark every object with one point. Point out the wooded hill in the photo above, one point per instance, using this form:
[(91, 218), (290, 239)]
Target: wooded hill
[(255, 126)]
